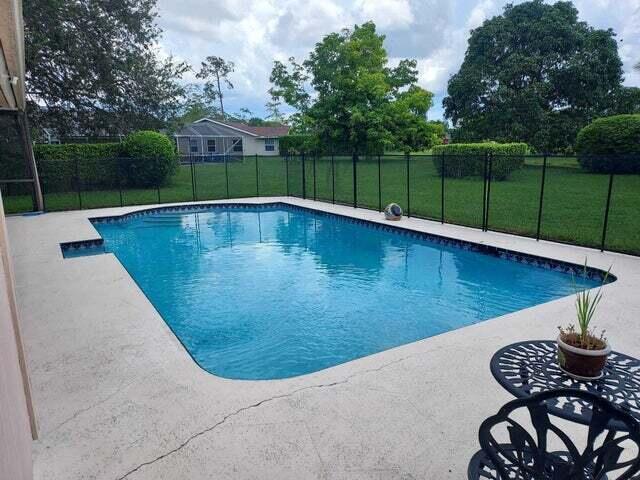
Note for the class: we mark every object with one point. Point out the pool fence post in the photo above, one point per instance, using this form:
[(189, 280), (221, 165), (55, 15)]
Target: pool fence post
[(193, 186), (158, 183), (606, 213), (442, 188), (314, 174), (304, 178), (486, 218), (355, 180), (286, 170), (542, 180), (119, 171), (78, 184), (226, 175), (195, 180), (379, 184), (484, 189), (257, 178), (333, 178), (408, 193)]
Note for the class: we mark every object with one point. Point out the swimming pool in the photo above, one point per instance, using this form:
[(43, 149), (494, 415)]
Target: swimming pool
[(275, 291)]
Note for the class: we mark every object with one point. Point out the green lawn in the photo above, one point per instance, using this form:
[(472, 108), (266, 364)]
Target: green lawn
[(574, 202)]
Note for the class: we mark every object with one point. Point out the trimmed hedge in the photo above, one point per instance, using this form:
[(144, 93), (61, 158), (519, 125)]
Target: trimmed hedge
[(610, 145), (95, 164), (296, 144), (467, 159), (152, 158), (144, 159)]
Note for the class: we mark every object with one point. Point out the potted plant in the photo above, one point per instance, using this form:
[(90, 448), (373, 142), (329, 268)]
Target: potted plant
[(582, 353)]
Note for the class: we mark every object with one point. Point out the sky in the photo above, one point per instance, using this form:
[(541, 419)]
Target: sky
[(254, 33)]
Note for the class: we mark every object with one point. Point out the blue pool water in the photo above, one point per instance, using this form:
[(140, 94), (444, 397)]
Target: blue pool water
[(275, 292)]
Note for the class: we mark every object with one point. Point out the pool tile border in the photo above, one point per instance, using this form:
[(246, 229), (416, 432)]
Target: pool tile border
[(77, 248), (526, 258)]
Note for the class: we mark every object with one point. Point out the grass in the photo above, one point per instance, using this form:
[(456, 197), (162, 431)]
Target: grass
[(573, 204)]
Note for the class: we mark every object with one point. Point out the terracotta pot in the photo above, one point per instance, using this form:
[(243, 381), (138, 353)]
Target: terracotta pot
[(581, 363)]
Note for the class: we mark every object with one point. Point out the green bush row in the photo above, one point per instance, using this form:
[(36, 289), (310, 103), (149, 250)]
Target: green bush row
[(468, 159), (95, 163), (610, 145), (144, 159), (297, 144)]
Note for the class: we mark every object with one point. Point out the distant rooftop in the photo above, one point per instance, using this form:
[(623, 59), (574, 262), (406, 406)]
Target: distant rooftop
[(207, 126), (273, 131)]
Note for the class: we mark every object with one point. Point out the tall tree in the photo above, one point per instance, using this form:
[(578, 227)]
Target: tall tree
[(91, 66), (346, 94), (193, 106), (273, 111), (626, 100), (535, 74), (215, 71)]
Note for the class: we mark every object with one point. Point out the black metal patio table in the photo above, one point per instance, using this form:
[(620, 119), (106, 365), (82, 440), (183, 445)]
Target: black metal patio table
[(525, 368)]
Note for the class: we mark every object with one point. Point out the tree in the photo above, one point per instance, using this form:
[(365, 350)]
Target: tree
[(215, 71), (273, 111), (194, 105), (535, 74), (91, 67), (626, 100), (346, 94), (245, 114)]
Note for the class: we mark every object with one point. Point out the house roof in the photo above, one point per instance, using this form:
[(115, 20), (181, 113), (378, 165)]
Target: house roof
[(276, 131), (208, 126)]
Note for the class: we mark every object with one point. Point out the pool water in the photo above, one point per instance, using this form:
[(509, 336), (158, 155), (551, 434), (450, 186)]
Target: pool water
[(278, 291)]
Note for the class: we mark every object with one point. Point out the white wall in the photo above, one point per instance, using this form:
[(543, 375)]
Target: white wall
[(15, 430), (253, 146)]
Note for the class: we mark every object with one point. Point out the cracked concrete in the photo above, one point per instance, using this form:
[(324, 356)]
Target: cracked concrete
[(91, 407), (117, 396), (255, 405)]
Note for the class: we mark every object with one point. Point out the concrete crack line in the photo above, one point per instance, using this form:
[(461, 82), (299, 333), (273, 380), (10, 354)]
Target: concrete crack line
[(256, 405), (90, 407)]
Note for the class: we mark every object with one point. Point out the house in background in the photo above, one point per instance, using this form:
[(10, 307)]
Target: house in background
[(213, 138)]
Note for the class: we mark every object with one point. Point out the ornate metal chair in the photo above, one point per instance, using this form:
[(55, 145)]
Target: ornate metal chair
[(522, 453)]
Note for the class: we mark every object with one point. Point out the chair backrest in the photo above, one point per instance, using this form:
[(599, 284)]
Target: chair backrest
[(524, 453)]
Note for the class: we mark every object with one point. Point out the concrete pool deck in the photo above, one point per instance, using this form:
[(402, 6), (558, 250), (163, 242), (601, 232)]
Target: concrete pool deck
[(117, 396)]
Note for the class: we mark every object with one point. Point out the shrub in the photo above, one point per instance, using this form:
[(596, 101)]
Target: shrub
[(95, 164), (610, 145), (467, 159), (296, 144), (151, 158)]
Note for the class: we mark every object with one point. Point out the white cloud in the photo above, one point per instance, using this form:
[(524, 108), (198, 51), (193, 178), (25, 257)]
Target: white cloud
[(253, 33), (624, 18), (386, 14), (481, 12), (301, 25)]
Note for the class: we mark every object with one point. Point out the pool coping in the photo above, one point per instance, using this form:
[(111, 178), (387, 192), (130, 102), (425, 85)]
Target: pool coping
[(117, 396)]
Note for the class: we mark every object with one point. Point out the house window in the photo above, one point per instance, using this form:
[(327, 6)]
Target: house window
[(211, 145), (269, 144), (193, 145), (237, 145)]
